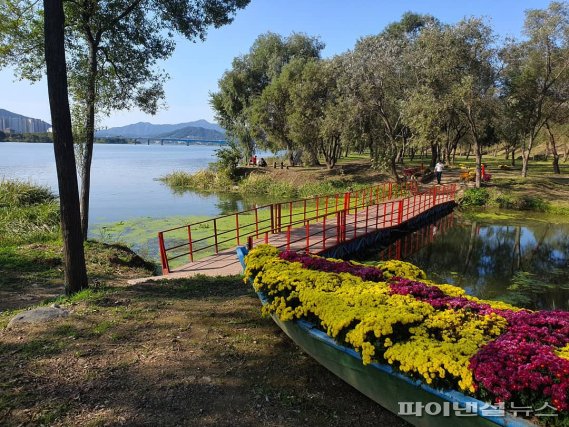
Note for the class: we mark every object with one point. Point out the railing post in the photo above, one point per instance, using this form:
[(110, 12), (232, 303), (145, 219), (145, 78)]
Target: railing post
[(392, 213), (290, 213), (256, 222), (400, 212), (356, 220), (317, 206), (249, 242), (338, 229), (215, 234), (347, 201), (190, 243), (434, 195), (163, 255), (288, 237), (367, 217), (279, 216), (384, 214), (307, 228), (266, 237), (272, 218), (324, 233), (344, 220), (326, 207), (376, 216), (237, 227), (304, 219), (389, 191)]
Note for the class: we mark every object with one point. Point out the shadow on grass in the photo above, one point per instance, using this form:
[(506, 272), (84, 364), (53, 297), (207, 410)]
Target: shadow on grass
[(225, 287)]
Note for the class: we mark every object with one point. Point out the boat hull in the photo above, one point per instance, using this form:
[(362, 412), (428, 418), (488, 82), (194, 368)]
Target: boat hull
[(392, 390)]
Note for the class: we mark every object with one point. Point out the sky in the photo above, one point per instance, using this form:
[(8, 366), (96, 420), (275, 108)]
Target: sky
[(195, 68)]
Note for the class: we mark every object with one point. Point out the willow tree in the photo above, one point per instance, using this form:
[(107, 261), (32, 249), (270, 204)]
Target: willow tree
[(112, 49), (249, 75)]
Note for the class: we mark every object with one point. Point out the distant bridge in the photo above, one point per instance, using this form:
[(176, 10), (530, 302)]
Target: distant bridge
[(162, 141)]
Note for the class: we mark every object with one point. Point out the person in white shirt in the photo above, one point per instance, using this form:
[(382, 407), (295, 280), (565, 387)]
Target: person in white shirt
[(439, 171)]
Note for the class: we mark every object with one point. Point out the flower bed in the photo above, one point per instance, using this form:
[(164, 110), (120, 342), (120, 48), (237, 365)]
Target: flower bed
[(392, 314)]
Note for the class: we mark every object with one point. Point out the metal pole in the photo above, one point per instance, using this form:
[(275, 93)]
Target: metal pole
[(237, 227), (215, 234), (163, 256), (190, 243)]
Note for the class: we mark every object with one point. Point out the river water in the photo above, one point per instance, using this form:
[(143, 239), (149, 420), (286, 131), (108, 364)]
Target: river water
[(523, 259), (124, 181)]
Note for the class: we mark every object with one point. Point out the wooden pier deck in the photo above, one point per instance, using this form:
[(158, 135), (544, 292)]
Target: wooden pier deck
[(313, 234)]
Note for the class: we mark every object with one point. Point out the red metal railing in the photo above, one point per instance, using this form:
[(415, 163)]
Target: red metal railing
[(319, 222)]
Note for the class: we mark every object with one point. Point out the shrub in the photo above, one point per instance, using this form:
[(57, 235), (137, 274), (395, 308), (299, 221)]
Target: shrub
[(524, 202), (202, 180), (475, 197)]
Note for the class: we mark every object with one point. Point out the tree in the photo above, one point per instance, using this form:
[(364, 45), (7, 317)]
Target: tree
[(376, 86), (316, 119), (240, 86), (475, 93), (536, 73), (113, 47), (75, 274), (431, 110), (270, 112)]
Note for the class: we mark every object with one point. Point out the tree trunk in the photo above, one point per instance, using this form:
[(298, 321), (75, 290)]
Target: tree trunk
[(434, 154), (75, 274), (478, 150), (513, 156), (468, 151), (89, 139), (553, 147), (525, 156)]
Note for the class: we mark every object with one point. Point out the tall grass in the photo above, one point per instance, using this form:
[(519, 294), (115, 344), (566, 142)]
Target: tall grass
[(15, 193), (252, 185), (203, 180), (28, 213)]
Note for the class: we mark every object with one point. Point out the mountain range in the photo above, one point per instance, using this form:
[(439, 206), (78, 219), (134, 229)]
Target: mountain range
[(200, 129)]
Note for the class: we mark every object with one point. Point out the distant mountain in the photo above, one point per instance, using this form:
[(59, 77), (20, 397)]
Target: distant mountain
[(21, 124), (193, 132), (149, 130)]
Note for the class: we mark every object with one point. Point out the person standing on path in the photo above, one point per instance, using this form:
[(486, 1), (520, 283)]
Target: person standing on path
[(439, 171)]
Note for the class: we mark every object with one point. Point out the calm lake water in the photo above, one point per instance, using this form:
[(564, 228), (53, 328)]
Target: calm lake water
[(123, 179), (523, 261)]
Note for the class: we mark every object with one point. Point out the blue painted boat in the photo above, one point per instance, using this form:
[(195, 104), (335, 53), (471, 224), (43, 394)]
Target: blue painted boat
[(413, 400)]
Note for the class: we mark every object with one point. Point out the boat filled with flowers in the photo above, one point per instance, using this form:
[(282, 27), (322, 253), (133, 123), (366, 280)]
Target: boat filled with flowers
[(426, 351)]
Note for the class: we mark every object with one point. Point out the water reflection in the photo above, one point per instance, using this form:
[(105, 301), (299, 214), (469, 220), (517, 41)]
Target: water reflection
[(522, 262)]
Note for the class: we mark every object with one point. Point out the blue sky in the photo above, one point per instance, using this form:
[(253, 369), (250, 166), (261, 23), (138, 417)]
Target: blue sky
[(196, 67)]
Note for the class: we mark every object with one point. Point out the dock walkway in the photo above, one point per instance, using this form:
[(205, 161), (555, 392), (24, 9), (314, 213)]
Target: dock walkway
[(313, 226)]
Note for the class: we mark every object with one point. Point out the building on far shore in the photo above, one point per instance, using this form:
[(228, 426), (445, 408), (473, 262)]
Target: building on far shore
[(16, 123)]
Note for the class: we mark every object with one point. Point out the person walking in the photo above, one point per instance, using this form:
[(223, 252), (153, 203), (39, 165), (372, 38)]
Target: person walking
[(439, 171)]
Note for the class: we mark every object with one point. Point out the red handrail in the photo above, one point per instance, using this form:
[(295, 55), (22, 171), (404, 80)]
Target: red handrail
[(269, 219)]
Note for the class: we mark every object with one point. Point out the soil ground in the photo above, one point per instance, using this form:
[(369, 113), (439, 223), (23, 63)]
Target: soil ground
[(187, 352)]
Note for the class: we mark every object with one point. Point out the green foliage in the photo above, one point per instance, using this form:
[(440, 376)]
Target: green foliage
[(524, 202), (475, 197), (28, 213), (202, 180), (15, 193), (26, 137), (228, 159), (244, 83)]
